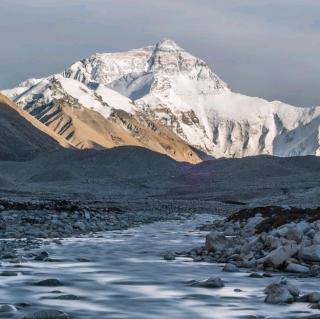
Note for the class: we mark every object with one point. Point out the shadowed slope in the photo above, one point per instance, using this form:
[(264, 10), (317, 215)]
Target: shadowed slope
[(22, 136)]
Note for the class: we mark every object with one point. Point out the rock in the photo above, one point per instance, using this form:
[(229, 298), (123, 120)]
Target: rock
[(303, 226), (169, 256), (22, 305), (254, 221), (9, 273), (297, 268), (255, 275), (311, 233), (47, 314), (237, 290), (279, 294), (230, 268), (316, 238), (49, 283), (272, 242), (248, 263), (293, 233), (43, 255), (311, 253), (213, 282), (280, 255), (253, 245), (83, 260), (216, 241), (314, 297)]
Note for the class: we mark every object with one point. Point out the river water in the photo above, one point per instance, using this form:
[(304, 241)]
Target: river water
[(124, 276)]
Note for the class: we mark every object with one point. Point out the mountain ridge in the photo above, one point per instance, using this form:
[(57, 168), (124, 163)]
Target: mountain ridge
[(168, 86)]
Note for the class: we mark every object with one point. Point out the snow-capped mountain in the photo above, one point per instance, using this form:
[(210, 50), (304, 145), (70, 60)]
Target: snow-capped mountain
[(173, 89), (100, 118)]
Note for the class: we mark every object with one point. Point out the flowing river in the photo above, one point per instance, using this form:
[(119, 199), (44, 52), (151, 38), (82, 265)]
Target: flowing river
[(121, 274)]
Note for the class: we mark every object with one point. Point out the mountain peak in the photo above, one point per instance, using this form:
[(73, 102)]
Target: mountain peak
[(167, 45), (166, 85)]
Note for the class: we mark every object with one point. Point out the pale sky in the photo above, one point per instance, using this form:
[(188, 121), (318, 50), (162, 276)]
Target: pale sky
[(266, 48)]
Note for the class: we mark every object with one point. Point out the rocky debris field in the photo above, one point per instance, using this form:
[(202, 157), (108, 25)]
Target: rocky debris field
[(267, 239)]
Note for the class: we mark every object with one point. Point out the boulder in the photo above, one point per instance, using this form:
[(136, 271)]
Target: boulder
[(314, 297), (297, 268), (303, 226), (281, 231), (216, 241), (49, 283), (213, 282), (310, 253), (280, 255), (272, 242), (255, 275), (246, 263), (41, 256), (230, 268), (293, 233), (279, 294), (169, 256), (316, 238)]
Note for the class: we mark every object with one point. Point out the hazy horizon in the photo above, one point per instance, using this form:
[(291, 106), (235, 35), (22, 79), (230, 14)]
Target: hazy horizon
[(268, 49)]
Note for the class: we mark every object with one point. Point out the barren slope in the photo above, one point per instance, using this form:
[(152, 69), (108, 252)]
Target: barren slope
[(22, 136)]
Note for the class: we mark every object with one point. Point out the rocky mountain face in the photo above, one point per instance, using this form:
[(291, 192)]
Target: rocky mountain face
[(165, 99), (100, 118)]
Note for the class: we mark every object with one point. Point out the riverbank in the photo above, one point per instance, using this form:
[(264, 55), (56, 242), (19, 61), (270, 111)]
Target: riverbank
[(122, 274), (268, 238), (26, 225)]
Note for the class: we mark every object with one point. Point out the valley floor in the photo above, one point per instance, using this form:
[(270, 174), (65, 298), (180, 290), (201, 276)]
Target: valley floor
[(122, 209)]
